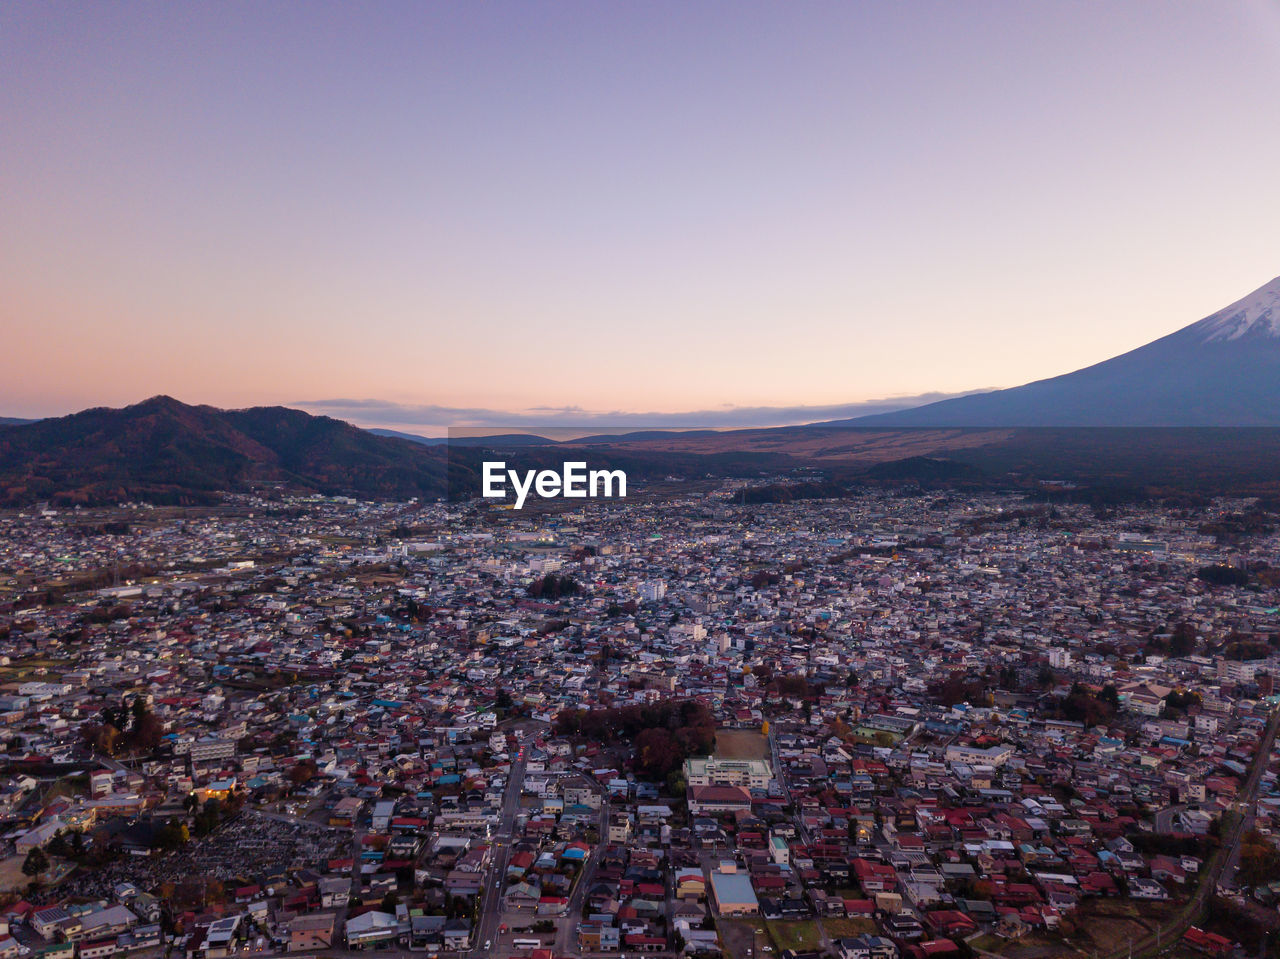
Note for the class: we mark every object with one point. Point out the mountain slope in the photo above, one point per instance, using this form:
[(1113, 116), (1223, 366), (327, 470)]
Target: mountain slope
[(1222, 371), (164, 451)]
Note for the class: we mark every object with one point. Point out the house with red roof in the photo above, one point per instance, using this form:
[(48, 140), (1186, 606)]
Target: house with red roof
[(875, 877)]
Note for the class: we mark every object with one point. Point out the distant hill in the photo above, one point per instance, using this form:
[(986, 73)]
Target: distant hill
[(164, 451), (501, 441), (1222, 371), (14, 421), (411, 437)]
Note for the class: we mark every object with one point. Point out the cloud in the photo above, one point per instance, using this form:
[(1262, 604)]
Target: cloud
[(433, 419)]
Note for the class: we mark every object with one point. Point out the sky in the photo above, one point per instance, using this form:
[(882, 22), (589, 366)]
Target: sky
[(418, 215)]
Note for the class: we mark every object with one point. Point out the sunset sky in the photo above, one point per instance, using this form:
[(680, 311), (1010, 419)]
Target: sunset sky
[(416, 214)]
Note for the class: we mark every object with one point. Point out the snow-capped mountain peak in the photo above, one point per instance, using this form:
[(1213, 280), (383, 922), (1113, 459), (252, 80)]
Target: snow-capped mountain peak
[(1222, 371), (1257, 314)]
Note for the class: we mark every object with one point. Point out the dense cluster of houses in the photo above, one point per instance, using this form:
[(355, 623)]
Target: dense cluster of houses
[(980, 711)]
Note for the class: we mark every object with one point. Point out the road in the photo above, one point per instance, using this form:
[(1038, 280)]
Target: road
[(566, 938), (1164, 819), (296, 820), (491, 910), (1223, 862), (780, 777), (779, 772)]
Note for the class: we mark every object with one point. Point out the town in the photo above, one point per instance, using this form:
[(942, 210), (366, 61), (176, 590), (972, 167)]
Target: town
[(900, 725)]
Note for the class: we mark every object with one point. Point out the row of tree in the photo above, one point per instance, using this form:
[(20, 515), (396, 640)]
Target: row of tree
[(552, 587), (663, 734)]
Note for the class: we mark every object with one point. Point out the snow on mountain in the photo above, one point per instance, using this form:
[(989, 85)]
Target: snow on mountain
[(1257, 314)]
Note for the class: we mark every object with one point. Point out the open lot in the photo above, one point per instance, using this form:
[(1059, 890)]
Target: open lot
[(840, 928), (12, 878), (741, 744), (11, 875), (801, 936), (742, 938), (1035, 946), (1109, 924)]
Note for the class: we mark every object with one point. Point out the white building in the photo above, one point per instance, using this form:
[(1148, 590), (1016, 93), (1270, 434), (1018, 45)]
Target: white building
[(383, 812), (652, 591), (1240, 672), (207, 750), (752, 773)]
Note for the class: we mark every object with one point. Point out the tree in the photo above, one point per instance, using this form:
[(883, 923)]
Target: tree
[(101, 737), (1221, 575), (137, 712), (59, 845), (656, 753), (35, 863), (1183, 640), (208, 818), (552, 587), (1259, 860), (145, 730), (1180, 700), (172, 835), (1082, 706)]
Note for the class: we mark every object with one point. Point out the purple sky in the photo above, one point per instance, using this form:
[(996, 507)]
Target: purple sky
[(648, 208)]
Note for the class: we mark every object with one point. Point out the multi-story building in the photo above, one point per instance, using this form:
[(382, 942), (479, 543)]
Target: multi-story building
[(753, 773)]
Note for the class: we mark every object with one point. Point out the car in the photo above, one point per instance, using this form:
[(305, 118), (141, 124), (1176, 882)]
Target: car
[(488, 944)]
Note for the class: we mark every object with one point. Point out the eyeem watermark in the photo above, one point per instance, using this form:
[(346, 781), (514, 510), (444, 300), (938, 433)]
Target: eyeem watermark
[(574, 481)]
